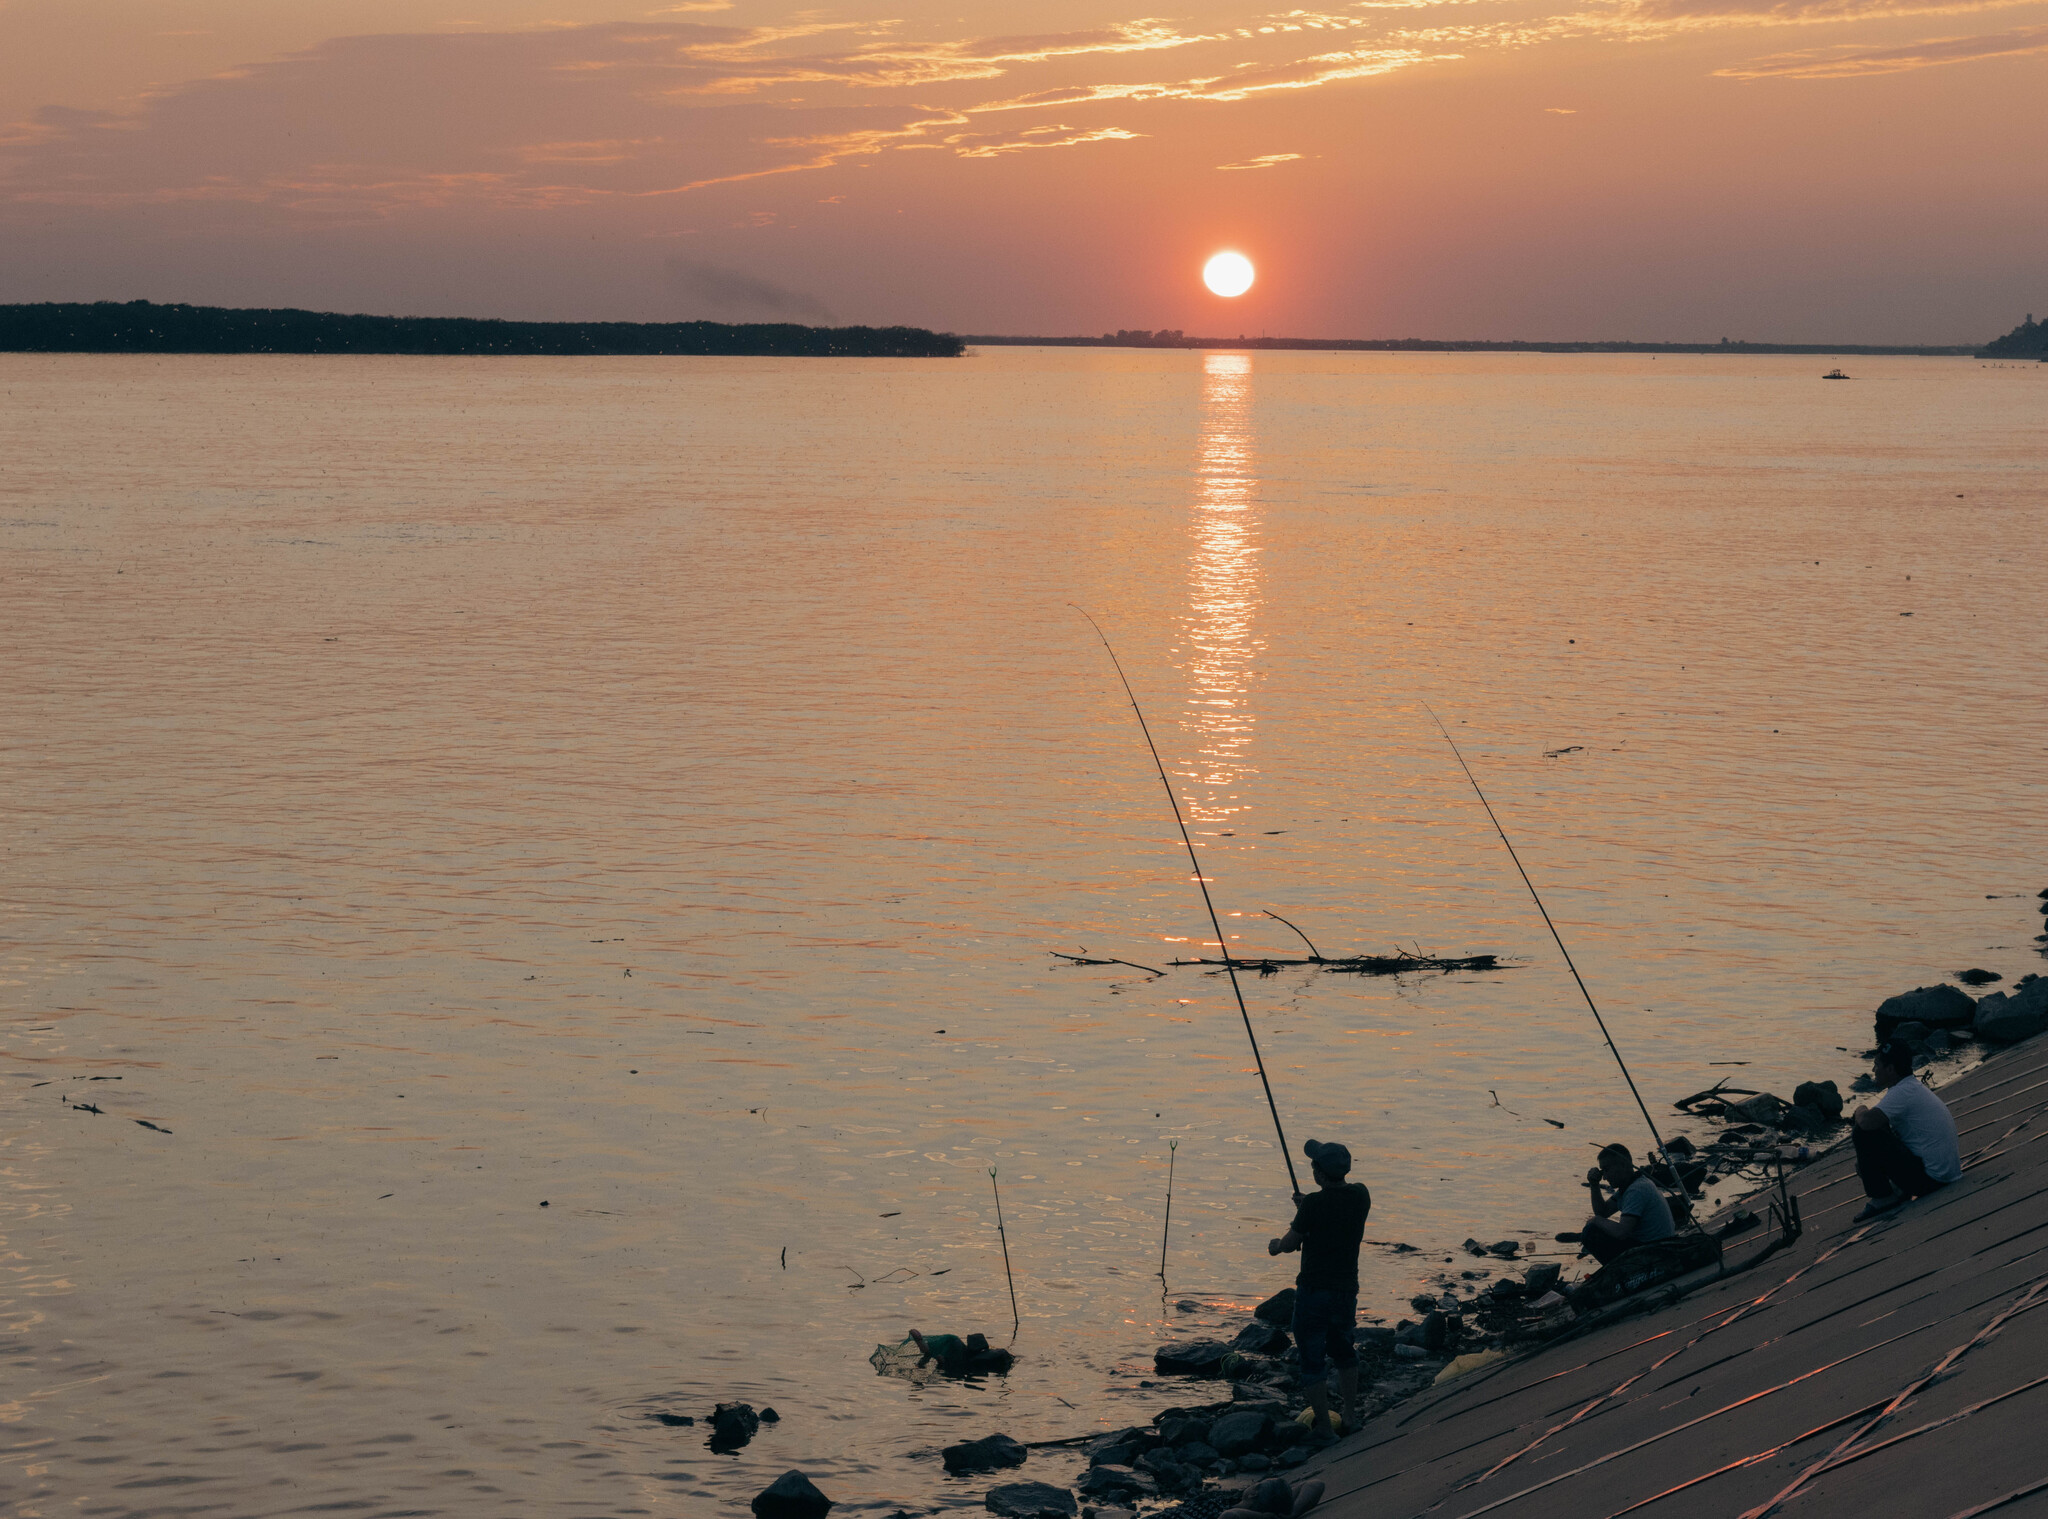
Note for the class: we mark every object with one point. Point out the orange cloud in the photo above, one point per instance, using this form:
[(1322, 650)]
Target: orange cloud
[(1848, 61)]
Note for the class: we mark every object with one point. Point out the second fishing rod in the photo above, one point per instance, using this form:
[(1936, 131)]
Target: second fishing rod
[(1201, 881)]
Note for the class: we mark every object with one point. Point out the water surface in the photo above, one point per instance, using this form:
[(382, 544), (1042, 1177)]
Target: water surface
[(653, 788)]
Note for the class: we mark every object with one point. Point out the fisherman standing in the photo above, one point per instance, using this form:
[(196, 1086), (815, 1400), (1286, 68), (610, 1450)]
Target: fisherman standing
[(1630, 1212), (1328, 1225), (1906, 1146)]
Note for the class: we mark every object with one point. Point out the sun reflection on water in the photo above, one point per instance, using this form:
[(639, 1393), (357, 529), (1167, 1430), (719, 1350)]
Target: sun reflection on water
[(1223, 590)]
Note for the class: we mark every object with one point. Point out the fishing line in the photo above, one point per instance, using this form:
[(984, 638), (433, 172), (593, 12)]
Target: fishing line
[(1223, 944), (1594, 1009), (1164, 1229)]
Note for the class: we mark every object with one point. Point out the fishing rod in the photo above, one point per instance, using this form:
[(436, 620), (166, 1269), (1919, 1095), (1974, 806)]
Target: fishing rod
[(1229, 963), (1569, 965)]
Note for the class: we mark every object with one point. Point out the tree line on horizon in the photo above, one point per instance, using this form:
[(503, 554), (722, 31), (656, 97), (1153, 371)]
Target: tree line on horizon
[(147, 327)]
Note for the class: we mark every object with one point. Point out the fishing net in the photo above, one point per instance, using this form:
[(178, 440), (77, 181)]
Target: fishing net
[(901, 1361)]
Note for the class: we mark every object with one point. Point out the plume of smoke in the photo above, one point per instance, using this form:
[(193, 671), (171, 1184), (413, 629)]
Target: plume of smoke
[(713, 289)]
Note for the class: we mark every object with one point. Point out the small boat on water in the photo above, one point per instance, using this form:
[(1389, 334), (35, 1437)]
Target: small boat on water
[(1835, 374)]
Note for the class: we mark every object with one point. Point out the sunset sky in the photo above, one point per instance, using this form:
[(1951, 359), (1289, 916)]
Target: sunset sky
[(1796, 170)]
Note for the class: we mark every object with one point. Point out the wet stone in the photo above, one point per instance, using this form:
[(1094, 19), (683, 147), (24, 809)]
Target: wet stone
[(1031, 1500), (792, 1496), (1195, 1358), (990, 1453), (1277, 1309)]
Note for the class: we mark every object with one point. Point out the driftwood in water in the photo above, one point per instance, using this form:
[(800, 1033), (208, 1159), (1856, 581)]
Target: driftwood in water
[(1362, 965)]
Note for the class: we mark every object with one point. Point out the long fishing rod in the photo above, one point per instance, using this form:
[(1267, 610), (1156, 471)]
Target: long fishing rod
[(1591, 1006), (1229, 963)]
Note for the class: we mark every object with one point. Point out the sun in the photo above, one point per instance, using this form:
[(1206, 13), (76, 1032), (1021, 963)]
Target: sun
[(1228, 274)]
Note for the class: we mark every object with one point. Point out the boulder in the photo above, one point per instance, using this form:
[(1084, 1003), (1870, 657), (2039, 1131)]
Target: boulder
[(1822, 1097), (988, 1454), (1941, 1006), (1196, 1453), (2020, 1015), (1540, 1278), (1178, 1428), (1277, 1309), (1194, 1358), (1260, 1338), (1762, 1108), (1117, 1483), (733, 1425), (793, 1496), (1976, 976), (1235, 1434), (1031, 1500), (1272, 1496)]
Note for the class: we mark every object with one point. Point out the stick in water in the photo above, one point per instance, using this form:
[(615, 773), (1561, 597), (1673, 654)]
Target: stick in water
[(1659, 1138), (1003, 1234), (1222, 944), (1171, 1146)]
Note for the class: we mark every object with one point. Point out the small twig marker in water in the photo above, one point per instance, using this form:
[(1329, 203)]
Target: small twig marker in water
[(1016, 1320), (1171, 1146)]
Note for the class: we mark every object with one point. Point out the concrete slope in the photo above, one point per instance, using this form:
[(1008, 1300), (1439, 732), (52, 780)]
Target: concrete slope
[(1895, 1368)]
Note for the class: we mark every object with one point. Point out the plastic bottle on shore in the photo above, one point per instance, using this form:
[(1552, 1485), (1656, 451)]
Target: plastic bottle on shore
[(1795, 1152)]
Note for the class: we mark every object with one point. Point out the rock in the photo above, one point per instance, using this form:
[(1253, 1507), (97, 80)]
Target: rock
[(1822, 1097), (770, 1416), (1196, 1453), (1114, 1482), (1378, 1338), (1277, 1309), (1031, 1500), (1177, 1428), (988, 1454), (1541, 1277), (1254, 1462), (1195, 1358), (1762, 1108), (1504, 1249), (2021, 1015), (1260, 1338), (676, 1421), (1977, 977), (1291, 1457), (1272, 1496), (1422, 1302), (1236, 1434), (1188, 1305), (1936, 1006), (1411, 1352), (733, 1425), (1913, 1032), (1473, 1247), (793, 1496)]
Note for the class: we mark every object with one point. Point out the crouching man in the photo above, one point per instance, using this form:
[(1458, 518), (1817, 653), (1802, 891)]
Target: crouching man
[(1630, 1211), (1906, 1144), (1328, 1225)]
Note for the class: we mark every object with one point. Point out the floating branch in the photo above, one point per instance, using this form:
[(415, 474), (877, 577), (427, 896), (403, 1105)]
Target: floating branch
[(1364, 965), (1084, 960)]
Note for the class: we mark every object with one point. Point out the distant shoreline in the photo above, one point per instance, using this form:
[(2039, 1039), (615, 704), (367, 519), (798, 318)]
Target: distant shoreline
[(1437, 345), (145, 327)]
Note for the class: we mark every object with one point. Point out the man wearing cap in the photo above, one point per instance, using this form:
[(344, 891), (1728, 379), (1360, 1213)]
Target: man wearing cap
[(1906, 1145), (1328, 1225)]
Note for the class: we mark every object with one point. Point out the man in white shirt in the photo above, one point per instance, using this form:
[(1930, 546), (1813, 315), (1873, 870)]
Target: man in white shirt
[(1633, 1212), (1906, 1145)]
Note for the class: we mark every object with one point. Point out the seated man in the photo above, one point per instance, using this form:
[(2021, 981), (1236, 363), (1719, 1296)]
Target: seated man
[(1633, 1212), (1906, 1145)]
